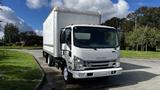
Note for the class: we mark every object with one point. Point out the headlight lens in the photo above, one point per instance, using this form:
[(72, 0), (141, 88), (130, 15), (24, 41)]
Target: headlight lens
[(78, 64), (116, 64)]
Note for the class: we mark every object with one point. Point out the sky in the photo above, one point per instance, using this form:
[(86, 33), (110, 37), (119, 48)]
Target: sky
[(30, 14)]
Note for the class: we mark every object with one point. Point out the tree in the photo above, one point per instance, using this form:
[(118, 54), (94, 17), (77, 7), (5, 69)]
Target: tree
[(30, 38), (157, 39), (141, 27), (11, 33), (148, 16), (142, 36), (113, 22), (124, 24), (131, 39)]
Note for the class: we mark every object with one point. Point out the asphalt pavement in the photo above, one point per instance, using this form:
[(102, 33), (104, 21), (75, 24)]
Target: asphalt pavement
[(138, 74)]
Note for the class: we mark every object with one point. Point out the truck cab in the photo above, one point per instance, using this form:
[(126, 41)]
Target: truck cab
[(89, 51)]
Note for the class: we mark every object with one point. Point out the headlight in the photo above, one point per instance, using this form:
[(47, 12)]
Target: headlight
[(116, 64), (78, 64)]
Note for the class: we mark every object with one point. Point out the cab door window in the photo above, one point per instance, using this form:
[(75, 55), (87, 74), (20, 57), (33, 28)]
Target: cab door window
[(68, 36)]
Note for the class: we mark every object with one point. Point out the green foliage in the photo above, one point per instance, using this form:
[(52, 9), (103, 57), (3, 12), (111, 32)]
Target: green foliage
[(140, 54), (21, 47), (158, 39), (30, 38), (114, 22), (149, 16), (141, 29), (11, 33), (18, 71), (123, 24), (15, 38), (142, 36)]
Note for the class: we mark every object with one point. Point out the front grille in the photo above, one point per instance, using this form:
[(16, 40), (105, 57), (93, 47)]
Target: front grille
[(96, 68), (92, 65)]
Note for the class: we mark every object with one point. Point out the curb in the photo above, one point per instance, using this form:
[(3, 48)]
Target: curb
[(39, 85)]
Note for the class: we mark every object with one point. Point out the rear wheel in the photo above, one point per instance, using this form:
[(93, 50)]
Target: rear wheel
[(44, 54), (46, 58), (67, 75), (50, 60)]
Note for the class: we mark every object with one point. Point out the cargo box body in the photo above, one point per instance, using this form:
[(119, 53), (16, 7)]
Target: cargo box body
[(60, 18)]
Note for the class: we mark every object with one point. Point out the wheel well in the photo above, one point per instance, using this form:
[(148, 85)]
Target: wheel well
[(45, 54)]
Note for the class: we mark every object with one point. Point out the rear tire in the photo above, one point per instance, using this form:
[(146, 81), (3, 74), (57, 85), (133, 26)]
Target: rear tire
[(46, 58), (44, 54), (50, 60), (67, 76)]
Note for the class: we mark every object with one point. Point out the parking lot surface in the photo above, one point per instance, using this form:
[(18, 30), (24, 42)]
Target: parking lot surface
[(138, 74)]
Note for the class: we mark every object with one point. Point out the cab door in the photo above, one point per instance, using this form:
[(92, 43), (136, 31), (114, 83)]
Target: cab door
[(66, 43)]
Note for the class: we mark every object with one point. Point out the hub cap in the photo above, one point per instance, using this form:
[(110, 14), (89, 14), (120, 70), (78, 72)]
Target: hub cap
[(48, 60), (65, 74)]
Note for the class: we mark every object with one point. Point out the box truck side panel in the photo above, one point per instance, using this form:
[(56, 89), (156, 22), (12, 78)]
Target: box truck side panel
[(59, 19), (48, 34), (67, 18)]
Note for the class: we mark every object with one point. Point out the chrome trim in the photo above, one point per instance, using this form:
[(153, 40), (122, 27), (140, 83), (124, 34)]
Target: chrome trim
[(49, 45)]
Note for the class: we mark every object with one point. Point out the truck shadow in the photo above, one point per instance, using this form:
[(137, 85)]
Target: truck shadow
[(125, 79), (128, 66)]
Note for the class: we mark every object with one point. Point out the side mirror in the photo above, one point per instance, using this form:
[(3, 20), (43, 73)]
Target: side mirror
[(70, 53)]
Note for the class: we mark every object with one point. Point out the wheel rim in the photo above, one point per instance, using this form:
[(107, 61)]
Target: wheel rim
[(48, 60), (65, 74)]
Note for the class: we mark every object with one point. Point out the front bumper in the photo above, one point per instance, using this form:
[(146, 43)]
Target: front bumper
[(96, 73)]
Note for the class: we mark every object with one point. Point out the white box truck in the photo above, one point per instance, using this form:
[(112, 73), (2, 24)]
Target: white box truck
[(74, 42)]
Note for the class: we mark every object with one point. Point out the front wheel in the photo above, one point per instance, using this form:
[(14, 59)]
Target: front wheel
[(67, 75)]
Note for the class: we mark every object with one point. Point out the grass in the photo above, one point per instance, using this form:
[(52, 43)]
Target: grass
[(21, 47), (140, 54), (18, 71)]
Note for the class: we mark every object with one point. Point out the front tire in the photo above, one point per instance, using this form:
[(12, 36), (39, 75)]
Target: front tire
[(67, 75)]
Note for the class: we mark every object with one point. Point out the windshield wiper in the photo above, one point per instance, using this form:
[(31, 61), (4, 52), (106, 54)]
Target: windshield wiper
[(95, 48)]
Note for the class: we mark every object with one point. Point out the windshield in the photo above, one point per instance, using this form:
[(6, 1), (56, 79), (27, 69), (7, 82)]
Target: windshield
[(95, 37)]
